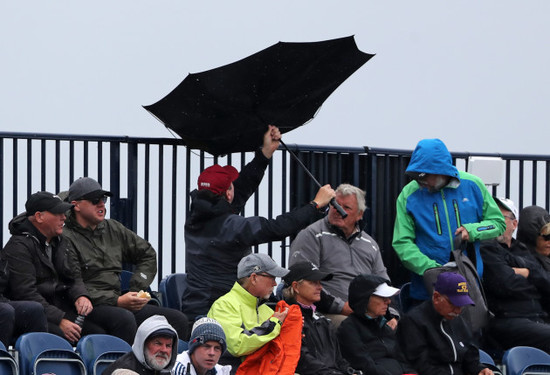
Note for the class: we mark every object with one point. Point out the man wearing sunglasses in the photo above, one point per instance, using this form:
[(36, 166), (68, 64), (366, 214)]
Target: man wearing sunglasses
[(516, 284), (102, 246)]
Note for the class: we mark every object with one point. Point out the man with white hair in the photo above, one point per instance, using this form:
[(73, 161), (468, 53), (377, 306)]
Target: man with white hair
[(339, 246), (153, 352)]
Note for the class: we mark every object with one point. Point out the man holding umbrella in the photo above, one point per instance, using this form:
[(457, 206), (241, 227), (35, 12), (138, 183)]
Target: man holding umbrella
[(217, 237)]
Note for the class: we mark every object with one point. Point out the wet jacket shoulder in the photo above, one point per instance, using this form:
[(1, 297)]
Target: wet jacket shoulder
[(33, 277), (320, 351), (435, 346), (101, 254)]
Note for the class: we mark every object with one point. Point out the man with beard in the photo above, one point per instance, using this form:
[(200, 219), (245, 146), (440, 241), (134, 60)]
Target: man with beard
[(439, 204), (154, 350), (433, 336)]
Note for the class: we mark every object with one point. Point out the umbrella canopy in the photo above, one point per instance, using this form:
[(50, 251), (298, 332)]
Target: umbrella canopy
[(227, 109)]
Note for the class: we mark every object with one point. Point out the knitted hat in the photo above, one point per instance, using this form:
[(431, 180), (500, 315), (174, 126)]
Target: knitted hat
[(204, 330), (217, 179)]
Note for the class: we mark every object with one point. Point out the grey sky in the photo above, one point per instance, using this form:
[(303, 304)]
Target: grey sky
[(473, 73)]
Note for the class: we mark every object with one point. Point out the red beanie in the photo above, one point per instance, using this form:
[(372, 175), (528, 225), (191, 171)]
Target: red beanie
[(217, 179)]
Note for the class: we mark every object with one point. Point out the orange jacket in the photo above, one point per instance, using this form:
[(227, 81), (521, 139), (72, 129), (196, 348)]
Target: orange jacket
[(279, 356)]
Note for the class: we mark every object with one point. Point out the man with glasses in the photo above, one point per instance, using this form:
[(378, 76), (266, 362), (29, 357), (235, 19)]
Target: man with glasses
[(439, 204), (248, 323), (101, 246), (516, 284), (433, 336)]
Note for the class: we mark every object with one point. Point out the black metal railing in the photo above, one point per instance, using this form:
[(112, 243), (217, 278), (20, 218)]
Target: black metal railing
[(151, 179)]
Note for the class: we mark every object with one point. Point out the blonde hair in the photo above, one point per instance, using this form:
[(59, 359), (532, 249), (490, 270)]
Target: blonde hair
[(289, 292), (545, 229)]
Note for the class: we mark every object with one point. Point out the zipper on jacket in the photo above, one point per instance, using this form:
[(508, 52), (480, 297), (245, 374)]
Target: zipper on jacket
[(452, 344), (451, 234), (437, 219), (457, 214)]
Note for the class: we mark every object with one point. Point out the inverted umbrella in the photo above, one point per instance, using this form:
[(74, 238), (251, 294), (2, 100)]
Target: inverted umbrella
[(227, 109)]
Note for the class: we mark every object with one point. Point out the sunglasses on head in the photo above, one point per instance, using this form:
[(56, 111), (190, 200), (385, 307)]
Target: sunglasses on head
[(546, 237), (96, 200)]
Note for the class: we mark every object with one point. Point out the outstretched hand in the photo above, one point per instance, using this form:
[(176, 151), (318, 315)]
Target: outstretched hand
[(272, 138)]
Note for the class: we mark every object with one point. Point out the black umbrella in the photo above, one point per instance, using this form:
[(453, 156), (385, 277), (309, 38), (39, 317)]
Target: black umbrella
[(227, 109)]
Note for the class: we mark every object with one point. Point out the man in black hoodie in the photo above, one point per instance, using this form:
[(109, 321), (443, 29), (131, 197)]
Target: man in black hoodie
[(217, 237)]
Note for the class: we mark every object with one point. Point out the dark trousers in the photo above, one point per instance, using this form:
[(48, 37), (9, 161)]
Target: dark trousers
[(510, 332), (110, 320), (176, 318), (18, 317)]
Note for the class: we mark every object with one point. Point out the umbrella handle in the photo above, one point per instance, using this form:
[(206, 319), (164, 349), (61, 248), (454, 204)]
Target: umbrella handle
[(332, 202), (338, 208)]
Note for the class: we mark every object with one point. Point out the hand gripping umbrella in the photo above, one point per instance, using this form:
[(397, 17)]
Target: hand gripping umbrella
[(227, 109)]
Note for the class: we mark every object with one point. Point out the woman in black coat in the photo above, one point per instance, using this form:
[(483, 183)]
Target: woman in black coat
[(366, 341)]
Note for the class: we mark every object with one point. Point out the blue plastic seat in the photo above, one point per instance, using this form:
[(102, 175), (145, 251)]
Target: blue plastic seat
[(182, 346), (172, 288), (487, 360), (99, 351), (125, 277), (44, 353), (525, 360), (8, 365)]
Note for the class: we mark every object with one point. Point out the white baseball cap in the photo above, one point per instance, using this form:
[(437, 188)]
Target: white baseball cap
[(509, 205)]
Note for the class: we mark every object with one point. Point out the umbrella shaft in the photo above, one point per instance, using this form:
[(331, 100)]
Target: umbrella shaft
[(333, 202)]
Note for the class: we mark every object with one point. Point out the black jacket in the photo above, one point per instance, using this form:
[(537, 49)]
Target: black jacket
[(320, 353), (33, 277), (435, 346), (366, 344), (511, 295), (129, 361), (217, 237)]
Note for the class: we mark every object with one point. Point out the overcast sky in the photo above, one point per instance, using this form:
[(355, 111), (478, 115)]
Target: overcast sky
[(473, 73)]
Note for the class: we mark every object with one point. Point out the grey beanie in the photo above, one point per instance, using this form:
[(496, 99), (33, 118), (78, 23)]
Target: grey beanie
[(204, 330)]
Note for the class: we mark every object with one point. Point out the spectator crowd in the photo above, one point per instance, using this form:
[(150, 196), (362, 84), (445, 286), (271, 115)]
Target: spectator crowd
[(335, 310)]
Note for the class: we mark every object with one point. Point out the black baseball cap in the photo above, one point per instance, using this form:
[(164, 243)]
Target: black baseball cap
[(46, 201), (305, 271)]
